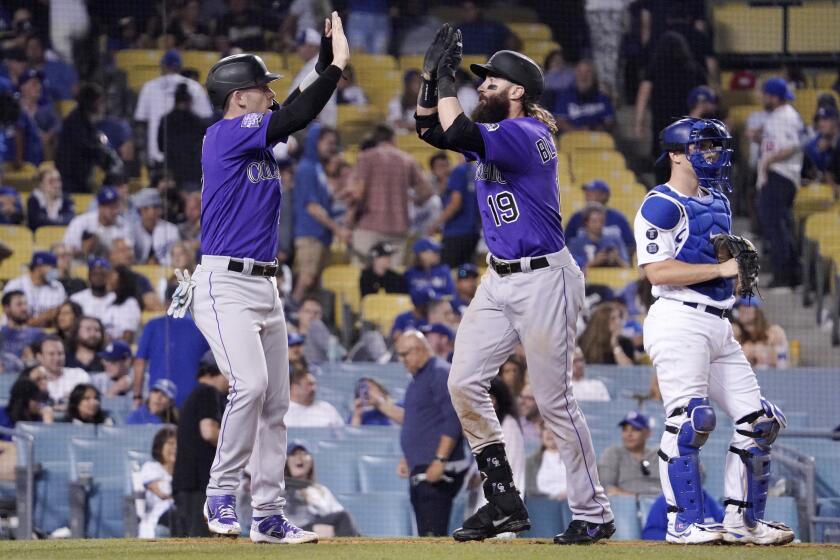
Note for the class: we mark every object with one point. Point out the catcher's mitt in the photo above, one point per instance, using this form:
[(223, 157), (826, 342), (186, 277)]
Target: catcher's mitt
[(742, 250)]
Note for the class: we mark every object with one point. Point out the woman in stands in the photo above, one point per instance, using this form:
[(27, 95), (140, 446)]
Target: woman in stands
[(373, 406), (27, 403), (514, 373), (309, 505), (545, 473), (159, 407), (156, 476), (67, 322), (764, 345), (182, 257), (602, 342), (48, 205), (85, 406), (122, 316)]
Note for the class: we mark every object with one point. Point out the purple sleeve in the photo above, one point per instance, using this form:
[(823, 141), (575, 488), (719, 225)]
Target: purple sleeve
[(245, 134), (508, 144)]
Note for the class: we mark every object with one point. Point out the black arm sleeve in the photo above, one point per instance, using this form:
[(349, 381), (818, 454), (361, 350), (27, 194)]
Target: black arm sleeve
[(303, 107), (464, 136)]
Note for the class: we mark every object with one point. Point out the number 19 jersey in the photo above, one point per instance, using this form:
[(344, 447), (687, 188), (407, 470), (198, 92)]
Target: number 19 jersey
[(517, 190)]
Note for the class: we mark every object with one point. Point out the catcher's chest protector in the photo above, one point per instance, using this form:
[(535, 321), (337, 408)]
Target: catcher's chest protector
[(706, 216)]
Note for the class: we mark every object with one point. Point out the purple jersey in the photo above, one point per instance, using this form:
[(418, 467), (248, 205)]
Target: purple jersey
[(516, 185), (240, 199)]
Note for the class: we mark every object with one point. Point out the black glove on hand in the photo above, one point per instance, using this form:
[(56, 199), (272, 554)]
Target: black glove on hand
[(435, 51), (448, 64), (325, 56)]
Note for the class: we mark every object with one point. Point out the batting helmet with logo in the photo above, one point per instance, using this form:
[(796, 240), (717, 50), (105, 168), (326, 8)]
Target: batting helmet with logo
[(238, 71), (515, 67)]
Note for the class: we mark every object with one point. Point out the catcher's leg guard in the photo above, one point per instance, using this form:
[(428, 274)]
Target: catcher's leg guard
[(693, 424), (764, 425)]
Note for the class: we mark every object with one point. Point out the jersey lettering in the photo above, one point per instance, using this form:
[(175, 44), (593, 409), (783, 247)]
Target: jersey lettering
[(546, 150), (489, 173), (504, 208), (261, 170)]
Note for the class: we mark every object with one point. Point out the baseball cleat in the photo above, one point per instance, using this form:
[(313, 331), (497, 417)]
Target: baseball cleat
[(276, 529), (584, 532), (220, 513), (764, 533), (490, 521), (696, 533)]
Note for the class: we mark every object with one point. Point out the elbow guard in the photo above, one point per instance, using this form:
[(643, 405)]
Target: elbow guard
[(462, 128), (424, 121)]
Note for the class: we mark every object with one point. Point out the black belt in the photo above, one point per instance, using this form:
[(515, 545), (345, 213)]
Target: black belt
[(504, 268), (716, 311), (236, 265)]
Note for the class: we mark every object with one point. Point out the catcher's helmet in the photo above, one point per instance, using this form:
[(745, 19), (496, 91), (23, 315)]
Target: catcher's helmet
[(515, 67), (238, 71), (708, 146)]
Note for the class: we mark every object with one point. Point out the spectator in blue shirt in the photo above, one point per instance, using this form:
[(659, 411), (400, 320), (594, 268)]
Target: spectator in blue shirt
[(159, 407), (416, 317), (62, 80), (459, 217), (373, 406), (466, 285), (483, 36), (820, 149), (37, 106), (428, 271), (15, 335), (593, 247), (598, 191), (11, 208), (431, 438), (314, 226), (172, 349), (657, 520), (584, 107)]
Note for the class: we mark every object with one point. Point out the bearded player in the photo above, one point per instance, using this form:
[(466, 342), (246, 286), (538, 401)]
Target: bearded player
[(532, 292), (233, 291), (680, 229)]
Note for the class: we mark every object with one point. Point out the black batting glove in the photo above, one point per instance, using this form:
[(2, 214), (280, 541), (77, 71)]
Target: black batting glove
[(449, 62), (435, 51)]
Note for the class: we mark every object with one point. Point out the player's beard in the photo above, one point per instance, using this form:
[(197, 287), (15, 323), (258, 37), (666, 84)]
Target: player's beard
[(492, 109)]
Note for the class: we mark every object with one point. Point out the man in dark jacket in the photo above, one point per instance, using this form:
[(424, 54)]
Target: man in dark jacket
[(179, 138)]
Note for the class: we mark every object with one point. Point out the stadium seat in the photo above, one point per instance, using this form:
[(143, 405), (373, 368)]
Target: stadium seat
[(82, 202), (380, 514), (586, 140), (806, 102), (343, 280), (812, 198), (738, 114), (140, 65), (548, 517), (312, 435), (6, 382), (130, 437), (47, 236), (382, 309), (812, 27), (378, 473), (337, 469), (626, 513), (615, 278), (531, 31), (22, 178), (118, 407), (410, 62), (19, 240), (783, 508), (825, 80), (65, 106), (204, 60), (539, 49), (97, 468), (739, 28)]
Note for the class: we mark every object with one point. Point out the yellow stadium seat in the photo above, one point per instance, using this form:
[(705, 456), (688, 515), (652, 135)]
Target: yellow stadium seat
[(473, 59), (511, 12), (369, 68), (627, 205), (23, 178), (273, 61), (612, 175), (203, 61), (81, 202), (147, 316), (812, 27), (47, 236), (812, 198), (64, 106), (344, 281), (139, 76), (80, 271), (137, 58), (738, 114), (409, 141), (382, 309), (411, 62), (740, 28), (380, 88), (825, 80), (823, 225), (614, 278), (155, 273), (538, 50), (806, 102), (585, 161), (358, 114), (585, 140), (531, 31), (19, 240)]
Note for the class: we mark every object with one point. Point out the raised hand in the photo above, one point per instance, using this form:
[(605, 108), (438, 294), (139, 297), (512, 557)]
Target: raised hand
[(325, 55), (340, 47), (453, 50), (435, 51)]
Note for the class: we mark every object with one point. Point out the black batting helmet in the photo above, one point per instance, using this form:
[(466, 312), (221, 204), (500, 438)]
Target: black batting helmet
[(238, 71), (515, 67)]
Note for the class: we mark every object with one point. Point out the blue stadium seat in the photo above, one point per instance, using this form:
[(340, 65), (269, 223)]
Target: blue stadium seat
[(456, 517), (548, 517), (337, 470), (783, 508), (51, 502), (313, 435), (93, 460), (6, 382), (369, 446), (379, 474), (645, 504), (137, 437), (118, 407), (626, 513), (380, 514)]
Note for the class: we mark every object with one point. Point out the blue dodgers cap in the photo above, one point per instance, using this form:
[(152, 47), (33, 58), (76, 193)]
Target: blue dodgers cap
[(426, 244), (296, 444), (296, 339), (467, 270), (116, 351), (779, 88), (100, 262), (637, 420), (826, 112), (30, 74), (701, 93), (9, 191), (40, 258), (598, 185), (423, 296), (748, 302), (171, 59), (108, 195), (166, 387), (438, 328)]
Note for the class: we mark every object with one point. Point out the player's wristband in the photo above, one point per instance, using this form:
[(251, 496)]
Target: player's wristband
[(446, 87), (428, 96), (441, 458)]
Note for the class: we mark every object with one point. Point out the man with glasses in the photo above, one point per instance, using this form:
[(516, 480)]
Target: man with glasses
[(631, 468)]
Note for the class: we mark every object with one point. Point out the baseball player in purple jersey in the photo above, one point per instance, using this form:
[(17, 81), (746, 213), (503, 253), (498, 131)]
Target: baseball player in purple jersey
[(233, 293), (532, 292)]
